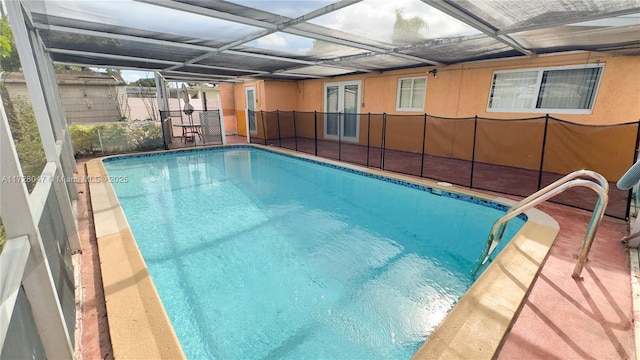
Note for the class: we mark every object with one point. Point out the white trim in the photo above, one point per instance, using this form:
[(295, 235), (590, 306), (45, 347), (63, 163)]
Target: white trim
[(13, 261), (399, 87), (40, 193), (541, 71), (37, 280), (341, 85)]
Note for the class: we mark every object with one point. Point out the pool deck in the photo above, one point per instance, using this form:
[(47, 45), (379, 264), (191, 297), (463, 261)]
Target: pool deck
[(561, 318)]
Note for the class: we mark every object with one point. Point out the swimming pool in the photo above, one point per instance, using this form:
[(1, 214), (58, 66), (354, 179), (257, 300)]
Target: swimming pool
[(284, 268)]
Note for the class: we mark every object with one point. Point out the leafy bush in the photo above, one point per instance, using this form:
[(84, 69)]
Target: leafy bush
[(3, 236), (151, 137), (116, 138), (83, 139), (26, 136)]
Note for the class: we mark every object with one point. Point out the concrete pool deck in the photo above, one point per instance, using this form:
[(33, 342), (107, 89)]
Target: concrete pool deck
[(552, 321)]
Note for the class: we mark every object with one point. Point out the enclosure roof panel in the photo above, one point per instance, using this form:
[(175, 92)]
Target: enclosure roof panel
[(236, 40)]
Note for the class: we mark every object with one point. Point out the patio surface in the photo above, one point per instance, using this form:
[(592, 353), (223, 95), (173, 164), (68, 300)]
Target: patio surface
[(562, 318)]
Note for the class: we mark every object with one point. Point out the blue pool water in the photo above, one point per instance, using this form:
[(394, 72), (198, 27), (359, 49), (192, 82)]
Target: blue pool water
[(256, 255)]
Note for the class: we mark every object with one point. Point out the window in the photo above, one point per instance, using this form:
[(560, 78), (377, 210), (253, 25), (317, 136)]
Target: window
[(411, 93), (569, 90)]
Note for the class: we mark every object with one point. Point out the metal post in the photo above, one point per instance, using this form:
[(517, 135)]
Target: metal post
[(339, 136), (315, 131), (264, 129), (295, 132), (223, 133), (473, 151), (195, 139), (279, 136), (204, 99), (635, 158), (164, 136), (383, 145), (544, 145), (37, 279), (37, 72), (424, 138), (100, 139), (247, 126), (368, 134)]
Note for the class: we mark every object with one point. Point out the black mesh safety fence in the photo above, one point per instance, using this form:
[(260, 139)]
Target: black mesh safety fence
[(508, 156), (608, 150), (449, 150)]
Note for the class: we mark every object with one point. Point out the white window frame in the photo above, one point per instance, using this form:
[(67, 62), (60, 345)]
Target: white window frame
[(341, 86), (538, 84), (398, 93)]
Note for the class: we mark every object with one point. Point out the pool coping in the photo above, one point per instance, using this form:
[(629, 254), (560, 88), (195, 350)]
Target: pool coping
[(473, 329)]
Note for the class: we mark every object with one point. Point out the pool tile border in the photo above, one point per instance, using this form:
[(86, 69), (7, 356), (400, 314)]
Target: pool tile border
[(473, 329)]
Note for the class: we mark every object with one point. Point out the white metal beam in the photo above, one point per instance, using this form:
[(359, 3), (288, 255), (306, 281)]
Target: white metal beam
[(84, 64), (209, 51), (132, 38), (42, 85), (16, 215), (284, 27), (290, 22), (193, 9), (58, 118), (612, 14), (13, 260), (296, 75), (106, 56), (476, 23), (186, 75), (270, 57)]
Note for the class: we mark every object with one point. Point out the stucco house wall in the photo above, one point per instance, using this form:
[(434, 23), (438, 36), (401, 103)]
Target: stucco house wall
[(463, 91)]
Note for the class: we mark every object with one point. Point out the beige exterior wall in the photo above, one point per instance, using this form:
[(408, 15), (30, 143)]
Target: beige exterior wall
[(227, 104), (279, 95), (462, 90)]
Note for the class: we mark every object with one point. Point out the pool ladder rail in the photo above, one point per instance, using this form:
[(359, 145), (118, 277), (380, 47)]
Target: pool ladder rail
[(601, 187)]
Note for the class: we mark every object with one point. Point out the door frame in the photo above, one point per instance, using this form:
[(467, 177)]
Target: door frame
[(341, 85), (246, 110)]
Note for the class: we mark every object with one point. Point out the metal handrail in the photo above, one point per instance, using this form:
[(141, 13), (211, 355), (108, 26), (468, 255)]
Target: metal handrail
[(576, 174), (544, 194)]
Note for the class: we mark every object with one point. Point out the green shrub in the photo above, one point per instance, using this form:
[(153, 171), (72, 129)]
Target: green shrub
[(3, 236), (26, 136), (83, 139), (116, 138), (152, 137)]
